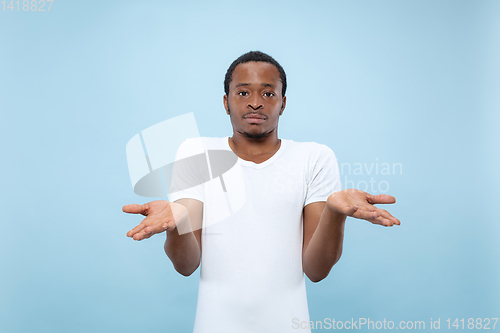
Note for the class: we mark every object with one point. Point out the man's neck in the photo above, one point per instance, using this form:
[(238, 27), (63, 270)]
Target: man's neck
[(253, 149)]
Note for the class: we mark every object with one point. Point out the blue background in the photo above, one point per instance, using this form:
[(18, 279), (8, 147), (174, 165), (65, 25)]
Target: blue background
[(410, 82)]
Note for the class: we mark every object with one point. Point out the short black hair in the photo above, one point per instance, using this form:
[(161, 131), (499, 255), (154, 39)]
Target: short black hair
[(254, 56)]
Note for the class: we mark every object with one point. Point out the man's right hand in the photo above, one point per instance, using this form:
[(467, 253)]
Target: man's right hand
[(160, 215)]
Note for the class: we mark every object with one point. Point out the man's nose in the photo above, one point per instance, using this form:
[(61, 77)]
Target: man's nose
[(255, 102)]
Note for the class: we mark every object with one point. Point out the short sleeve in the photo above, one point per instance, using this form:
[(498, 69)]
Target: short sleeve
[(323, 177), (189, 172)]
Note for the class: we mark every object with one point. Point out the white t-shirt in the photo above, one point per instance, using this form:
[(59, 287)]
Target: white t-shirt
[(251, 276)]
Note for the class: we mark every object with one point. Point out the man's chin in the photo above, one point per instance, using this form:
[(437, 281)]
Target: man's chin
[(254, 135)]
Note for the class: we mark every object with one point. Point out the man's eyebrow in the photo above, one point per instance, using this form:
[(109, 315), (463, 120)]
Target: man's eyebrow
[(262, 84)]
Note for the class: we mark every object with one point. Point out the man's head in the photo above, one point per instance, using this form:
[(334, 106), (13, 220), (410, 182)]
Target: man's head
[(254, 56), (255, 87)]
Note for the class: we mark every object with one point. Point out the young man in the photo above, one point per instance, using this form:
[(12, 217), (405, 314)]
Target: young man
[(291, 223)]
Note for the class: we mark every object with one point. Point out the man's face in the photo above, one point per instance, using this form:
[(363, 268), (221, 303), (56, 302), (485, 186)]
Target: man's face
[(254, 102)]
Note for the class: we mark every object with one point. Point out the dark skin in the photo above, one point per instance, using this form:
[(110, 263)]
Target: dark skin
[(255, 90)]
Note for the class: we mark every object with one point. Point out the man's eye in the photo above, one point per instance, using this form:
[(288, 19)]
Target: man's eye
[(242, 93), (268, 94)]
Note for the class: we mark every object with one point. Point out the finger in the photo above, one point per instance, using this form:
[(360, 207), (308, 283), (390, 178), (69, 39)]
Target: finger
[(135, 209), (381, 199), (375, 215), (140, 236), (148, 232), (150, 228), (134, 231), (396, 221), (366, 214), (158, 227), (385, 219), (145, 223), (348, 209), (380, 220), (389, 216)]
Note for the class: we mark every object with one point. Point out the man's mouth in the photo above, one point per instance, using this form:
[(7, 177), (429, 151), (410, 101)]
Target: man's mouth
[(255, 115), (254, 118)]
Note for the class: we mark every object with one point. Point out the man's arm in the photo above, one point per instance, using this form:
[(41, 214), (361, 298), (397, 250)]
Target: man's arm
[(323, 238), (185, 250), (324, 227)]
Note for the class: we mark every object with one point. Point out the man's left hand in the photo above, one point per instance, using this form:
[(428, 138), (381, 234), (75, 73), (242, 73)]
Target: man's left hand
[(359, 204)]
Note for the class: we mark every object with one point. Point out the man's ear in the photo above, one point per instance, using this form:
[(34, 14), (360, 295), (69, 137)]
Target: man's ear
[(226, 105), (283, 104)]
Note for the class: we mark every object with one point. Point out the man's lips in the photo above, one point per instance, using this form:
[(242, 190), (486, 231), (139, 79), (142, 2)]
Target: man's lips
[(255, 116), (254, 119)]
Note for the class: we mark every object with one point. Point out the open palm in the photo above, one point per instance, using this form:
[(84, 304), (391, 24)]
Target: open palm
[(160, 215), (360, 205)]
